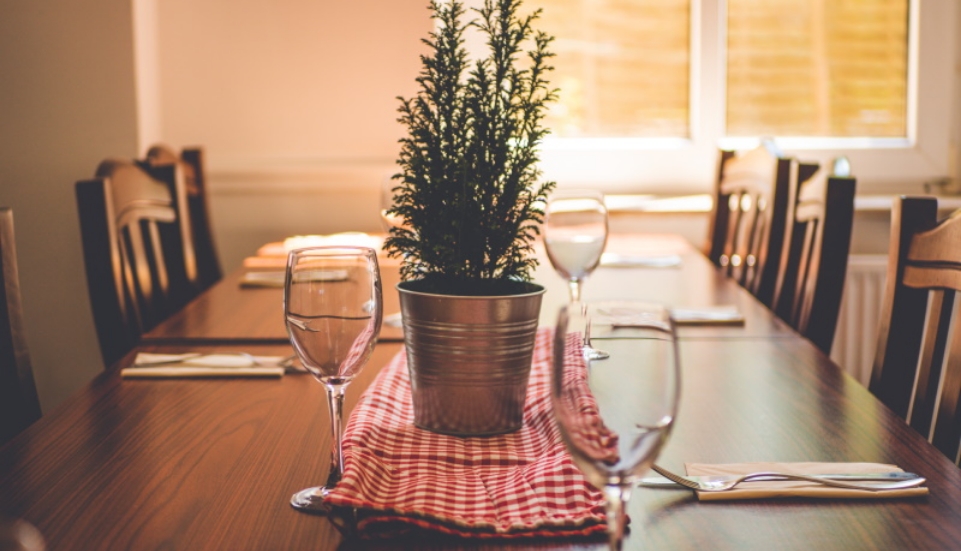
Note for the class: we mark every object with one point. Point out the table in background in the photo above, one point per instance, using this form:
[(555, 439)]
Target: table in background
[(231, 313)]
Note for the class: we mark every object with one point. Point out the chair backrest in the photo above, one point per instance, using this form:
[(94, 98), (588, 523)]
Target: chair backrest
[(917, 368), (750, 212), (814, 260), (191, 162), (19, 406), (137, 250)]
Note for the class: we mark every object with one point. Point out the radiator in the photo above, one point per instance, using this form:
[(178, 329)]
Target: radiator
[(856, 336)]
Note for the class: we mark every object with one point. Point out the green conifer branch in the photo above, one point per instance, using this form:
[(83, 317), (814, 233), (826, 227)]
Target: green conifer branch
[(468, 182)]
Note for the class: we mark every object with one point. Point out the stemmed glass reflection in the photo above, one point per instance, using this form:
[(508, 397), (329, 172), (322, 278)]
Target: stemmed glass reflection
[(615, 416), (333, 309), (575, 233)]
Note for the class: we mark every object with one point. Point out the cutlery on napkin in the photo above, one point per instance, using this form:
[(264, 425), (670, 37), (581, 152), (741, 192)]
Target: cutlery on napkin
[(767, 489), (658, 481), (617, 315), (148, 365)]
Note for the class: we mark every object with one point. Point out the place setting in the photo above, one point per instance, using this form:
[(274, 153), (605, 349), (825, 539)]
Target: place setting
[(148, 365)]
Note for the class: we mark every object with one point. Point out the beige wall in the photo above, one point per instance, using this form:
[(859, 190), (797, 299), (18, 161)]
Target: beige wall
[(295, 103), (66, 100)]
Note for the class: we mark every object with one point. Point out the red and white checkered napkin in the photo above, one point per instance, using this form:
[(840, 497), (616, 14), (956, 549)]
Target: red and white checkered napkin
[(522, 484)]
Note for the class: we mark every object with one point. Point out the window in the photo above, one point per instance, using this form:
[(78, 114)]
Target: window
[(833, 68), (623, 67), (651, 88)]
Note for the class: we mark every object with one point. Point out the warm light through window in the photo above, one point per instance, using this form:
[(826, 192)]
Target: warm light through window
[(819, 68), (622, 66), (833, 68)]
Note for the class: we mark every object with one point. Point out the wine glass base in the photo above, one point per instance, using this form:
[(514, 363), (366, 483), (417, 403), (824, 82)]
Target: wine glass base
[(595, 354), (311, 500)]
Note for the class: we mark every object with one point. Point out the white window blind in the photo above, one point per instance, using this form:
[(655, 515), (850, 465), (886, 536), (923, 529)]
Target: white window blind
[(832, 68)]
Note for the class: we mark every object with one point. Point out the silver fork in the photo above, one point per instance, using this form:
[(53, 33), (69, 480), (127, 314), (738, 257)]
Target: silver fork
[(721, 486)]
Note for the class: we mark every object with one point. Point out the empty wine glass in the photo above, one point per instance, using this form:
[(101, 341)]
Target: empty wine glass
[(575, 233), (615, 416), (333, 309)]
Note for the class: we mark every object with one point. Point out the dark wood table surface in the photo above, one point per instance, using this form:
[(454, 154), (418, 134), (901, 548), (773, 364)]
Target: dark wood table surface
[(211, 463)]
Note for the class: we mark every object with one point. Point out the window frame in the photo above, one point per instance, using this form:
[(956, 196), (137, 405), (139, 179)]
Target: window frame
[(675, 166)]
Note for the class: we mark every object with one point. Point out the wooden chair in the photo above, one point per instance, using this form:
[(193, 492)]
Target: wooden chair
[(19, 406), (917, 368), (814, 260), (191, 164), (750, 212), (137, 250)]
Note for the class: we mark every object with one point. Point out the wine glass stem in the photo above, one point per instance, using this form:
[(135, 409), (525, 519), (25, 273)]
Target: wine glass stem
[(335, 403), (616, 496), (575, 286)]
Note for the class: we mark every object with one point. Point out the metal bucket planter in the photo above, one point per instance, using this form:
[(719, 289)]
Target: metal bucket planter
[(469, 359)]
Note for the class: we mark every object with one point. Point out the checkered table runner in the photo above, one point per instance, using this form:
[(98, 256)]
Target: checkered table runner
[(522, 484)]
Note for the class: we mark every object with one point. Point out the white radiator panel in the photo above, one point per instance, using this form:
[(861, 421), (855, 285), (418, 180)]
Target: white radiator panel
[(856, 336)]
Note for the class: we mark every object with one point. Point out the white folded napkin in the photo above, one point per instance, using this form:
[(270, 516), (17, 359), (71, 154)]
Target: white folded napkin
[(707, 315), (345, 239), (277, 279), (774, 489), (394, 320), (616, 260), (148, 365), (263, 279)]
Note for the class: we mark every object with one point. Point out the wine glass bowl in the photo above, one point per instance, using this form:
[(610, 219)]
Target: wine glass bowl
[(575, 234), (615, 415), (332, 310)]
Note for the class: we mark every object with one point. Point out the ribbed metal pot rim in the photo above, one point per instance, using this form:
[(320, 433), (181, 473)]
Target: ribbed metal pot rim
[(539, 289)]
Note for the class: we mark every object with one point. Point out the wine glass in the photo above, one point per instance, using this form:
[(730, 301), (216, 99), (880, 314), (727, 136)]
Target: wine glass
[(333, 309), (615, 416), (575, 233)]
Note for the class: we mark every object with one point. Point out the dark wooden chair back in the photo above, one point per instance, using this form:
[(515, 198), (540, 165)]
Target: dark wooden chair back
[(917, 368), (137, 250), (191, 164), (750, 212), (19, 406), (814, 260)]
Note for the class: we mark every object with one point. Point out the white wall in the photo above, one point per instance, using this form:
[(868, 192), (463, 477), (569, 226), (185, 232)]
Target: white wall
[(66, 101)]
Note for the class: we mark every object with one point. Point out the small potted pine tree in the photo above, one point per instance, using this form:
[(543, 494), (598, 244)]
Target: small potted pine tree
[(470, 194)]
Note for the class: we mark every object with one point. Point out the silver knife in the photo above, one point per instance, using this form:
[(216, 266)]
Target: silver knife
[(661, 482)]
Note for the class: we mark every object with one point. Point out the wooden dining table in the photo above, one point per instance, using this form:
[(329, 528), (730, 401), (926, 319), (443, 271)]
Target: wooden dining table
[(211, 463)]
